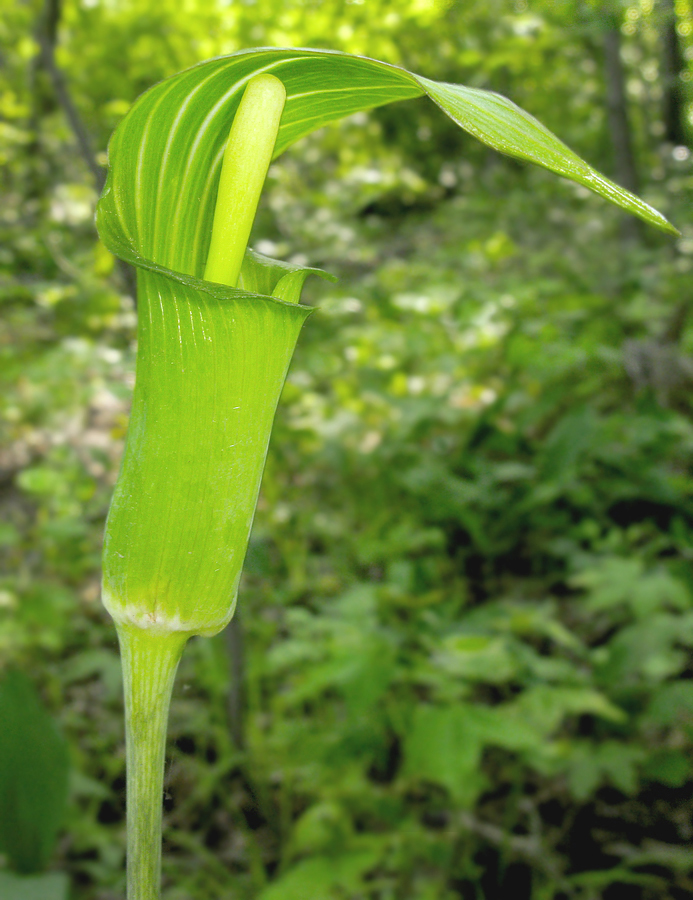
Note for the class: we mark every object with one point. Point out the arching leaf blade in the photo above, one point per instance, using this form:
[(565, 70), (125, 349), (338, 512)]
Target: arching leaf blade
[(498, 122), (166, 154)]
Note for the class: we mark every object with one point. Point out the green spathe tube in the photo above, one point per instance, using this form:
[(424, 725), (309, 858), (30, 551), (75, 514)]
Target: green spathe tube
[(210, 370), (209, 376)]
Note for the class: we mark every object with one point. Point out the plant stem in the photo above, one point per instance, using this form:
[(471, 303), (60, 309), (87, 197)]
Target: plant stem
[(149, 662), (244, 169), (150, 656)]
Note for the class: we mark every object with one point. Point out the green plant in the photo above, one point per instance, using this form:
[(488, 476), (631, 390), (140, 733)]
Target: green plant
[(34, 770), (213, 353)]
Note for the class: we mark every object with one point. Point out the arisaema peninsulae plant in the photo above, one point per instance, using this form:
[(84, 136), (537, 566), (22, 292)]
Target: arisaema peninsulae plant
[(217, 326)]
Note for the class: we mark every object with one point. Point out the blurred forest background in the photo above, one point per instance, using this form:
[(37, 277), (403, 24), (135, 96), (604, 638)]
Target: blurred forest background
[(462, 664)]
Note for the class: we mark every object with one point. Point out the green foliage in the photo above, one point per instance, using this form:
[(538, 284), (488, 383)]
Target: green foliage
[(34, 770), (478, 496), (34, 887)]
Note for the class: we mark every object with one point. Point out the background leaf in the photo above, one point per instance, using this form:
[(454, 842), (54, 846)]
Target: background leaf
[(52, 886), (34, 769)]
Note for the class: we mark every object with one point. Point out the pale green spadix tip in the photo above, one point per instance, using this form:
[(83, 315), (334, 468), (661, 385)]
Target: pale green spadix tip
[(244, 169)]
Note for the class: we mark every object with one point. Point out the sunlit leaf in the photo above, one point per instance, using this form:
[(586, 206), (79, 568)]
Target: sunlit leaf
[(34, 769), (165, 157)]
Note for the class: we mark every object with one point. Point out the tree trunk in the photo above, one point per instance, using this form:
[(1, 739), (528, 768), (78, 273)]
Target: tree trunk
[(672, 66), (45, 64), (47, 35), (625, 171)]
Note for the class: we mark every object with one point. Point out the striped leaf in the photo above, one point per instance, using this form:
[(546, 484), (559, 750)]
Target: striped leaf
[(165, 157)]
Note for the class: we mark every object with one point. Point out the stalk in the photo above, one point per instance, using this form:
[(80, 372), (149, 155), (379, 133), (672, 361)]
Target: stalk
[(149, 669), (162, 583), (244, 169)]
